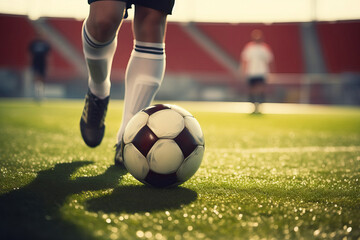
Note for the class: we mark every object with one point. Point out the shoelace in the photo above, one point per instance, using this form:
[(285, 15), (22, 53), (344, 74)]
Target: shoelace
[(96, 111)]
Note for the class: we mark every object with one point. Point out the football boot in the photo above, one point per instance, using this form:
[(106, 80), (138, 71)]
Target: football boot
[(119, 158), (92, 122)]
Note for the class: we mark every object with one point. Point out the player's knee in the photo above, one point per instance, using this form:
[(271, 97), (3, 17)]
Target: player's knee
[(105, 27), (149, 25)]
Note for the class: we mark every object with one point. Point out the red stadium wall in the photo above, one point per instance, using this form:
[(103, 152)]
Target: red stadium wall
[(284, 40), (15, 35), (183, 54), (17, 32), (340, 43), (71, 30)]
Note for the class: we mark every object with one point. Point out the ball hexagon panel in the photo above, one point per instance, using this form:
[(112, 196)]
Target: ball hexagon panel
[(195, 130), (191, 164), (166, 123), (186, 142), (165, 156), (144, 140), (137, 163), (137, 122)]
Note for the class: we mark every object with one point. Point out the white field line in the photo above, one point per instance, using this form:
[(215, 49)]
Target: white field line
[(326, 149), (266, 108)]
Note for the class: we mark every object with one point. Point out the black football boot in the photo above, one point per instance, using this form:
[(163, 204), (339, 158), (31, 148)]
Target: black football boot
[(92, 122)]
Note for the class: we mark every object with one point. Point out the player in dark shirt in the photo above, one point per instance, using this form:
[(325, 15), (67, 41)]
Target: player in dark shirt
[(39, 50)]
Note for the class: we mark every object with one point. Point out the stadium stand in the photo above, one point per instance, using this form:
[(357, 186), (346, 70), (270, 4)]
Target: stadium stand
[(340, 45), (188, 57), (284, 39), (14, 48), (16, 33), (338, 40)]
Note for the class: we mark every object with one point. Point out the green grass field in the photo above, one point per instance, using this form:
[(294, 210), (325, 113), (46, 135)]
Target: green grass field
[(274, 176)]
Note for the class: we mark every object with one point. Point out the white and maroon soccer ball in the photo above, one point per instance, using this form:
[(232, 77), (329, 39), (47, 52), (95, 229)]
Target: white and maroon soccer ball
[(163, 145)]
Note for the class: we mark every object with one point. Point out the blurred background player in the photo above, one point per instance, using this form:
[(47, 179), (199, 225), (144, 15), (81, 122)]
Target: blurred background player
[(39, 50), (145, 69), (256, 63)]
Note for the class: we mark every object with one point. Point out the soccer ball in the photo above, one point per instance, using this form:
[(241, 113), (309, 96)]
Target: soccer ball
[(163, 145)]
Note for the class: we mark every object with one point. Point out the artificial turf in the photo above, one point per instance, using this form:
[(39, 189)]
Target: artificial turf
[(270, 176)]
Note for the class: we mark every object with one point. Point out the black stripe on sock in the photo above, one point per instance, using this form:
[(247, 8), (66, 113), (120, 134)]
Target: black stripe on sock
[(151, 52), (95, 45), (149, 48)]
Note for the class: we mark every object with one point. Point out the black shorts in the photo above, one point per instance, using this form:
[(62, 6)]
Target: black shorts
[(253, 81), (165, 6)]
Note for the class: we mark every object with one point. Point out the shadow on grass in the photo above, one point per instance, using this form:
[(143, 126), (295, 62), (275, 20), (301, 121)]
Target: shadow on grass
[(33, 211), (135, 199)]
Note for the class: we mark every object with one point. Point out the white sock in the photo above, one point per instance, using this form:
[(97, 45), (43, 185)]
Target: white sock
[(99, 57), (143, 78)]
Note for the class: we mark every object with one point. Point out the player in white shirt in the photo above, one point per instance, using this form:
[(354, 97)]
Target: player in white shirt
[(256, 63)]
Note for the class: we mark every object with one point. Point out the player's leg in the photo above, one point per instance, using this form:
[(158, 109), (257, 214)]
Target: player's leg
[(146, 66), (252, 89), (38, 75), (261, 91), (99, 37), (258, 92), (255, 96), (39, 86), (261, 88), (250, 84), (99, 43)]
